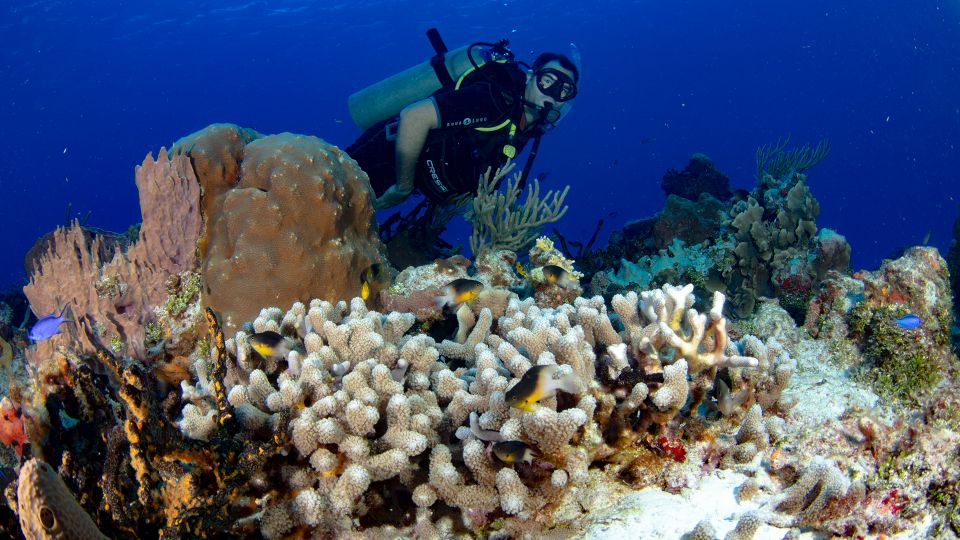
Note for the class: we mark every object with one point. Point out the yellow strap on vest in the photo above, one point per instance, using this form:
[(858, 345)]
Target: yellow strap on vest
[(508, 150)]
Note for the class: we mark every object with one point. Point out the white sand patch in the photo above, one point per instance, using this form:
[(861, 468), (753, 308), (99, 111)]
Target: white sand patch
[(654, 514), (824, 390)]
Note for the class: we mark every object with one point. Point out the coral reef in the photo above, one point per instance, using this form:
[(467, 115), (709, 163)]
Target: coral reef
[(313, 214), (112, 296), (368, 426), (699, 177), (526, 411), (692, 222), (764, 243), (772, 238), (906, 363), (370, 405), (678, 262)]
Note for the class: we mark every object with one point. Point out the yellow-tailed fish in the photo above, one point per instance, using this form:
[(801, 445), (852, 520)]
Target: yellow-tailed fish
[(559, 276), (513, 452), (457, 292), (538, 383), (368, 277), (521, 271), (269, 344)]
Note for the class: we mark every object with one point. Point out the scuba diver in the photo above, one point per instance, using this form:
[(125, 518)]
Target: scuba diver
[(436, 128)]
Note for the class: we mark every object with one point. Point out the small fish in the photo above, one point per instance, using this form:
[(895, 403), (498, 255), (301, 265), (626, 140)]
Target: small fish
[(538, 383), (521, 271), (370, 277), (542, 176), (457, 292), (909, 321), (728, 402), (559, 277), (926, 238), (269, 345), (513, 452), (48, 326)]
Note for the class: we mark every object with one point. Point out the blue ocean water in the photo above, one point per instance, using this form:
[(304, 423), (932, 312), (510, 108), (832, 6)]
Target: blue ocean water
[(87, 89)]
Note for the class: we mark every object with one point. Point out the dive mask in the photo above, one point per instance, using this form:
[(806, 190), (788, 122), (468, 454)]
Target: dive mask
[(556, 84)]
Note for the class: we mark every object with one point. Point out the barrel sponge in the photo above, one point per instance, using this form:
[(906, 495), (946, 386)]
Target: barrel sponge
[(42, 495), (289, 210)]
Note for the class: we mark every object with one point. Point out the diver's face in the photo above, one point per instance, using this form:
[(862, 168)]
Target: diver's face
[(534, 94)]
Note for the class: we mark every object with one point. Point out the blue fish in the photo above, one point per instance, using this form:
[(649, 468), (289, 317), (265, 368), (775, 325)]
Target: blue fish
[(909, 321), (48, 326)]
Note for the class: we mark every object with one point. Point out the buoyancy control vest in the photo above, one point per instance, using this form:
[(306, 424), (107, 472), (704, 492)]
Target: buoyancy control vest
[(453, 160)]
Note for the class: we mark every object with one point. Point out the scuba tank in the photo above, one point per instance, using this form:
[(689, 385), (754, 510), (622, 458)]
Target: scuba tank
[(385, 99)]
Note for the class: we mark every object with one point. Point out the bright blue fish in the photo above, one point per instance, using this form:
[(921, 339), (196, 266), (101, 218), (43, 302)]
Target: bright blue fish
[(909, 321), (48, 326)]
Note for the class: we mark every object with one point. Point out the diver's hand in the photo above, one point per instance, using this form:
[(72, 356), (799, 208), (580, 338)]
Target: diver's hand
[(391, 197)]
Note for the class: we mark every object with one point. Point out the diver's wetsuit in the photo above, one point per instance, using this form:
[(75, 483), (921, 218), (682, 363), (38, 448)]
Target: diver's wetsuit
[(455, 153)]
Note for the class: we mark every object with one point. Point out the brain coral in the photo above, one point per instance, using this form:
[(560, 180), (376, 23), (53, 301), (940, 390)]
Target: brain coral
[(287, 217)]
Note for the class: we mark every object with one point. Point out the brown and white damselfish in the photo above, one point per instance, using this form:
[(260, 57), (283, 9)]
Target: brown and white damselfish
[(539, 383)]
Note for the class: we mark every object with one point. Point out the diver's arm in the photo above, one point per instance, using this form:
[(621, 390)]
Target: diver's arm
[(416, 121)]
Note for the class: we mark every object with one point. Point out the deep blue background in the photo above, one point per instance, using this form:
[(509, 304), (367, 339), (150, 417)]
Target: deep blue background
[(87, 89)]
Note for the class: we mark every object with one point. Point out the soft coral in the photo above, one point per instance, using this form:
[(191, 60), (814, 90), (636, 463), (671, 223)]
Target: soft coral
[(11, 425)]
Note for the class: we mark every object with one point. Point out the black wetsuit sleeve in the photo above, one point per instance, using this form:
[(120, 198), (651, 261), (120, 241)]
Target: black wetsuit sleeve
[(474, 106)]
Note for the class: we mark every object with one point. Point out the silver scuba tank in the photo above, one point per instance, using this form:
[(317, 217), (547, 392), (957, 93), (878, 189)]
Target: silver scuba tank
[(385, 99)]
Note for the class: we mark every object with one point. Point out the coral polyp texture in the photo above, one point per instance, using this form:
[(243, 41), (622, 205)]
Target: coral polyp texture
[(288, 210)]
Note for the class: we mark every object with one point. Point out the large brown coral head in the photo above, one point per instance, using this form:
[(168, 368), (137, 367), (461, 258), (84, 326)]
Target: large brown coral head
[(288, 218)]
